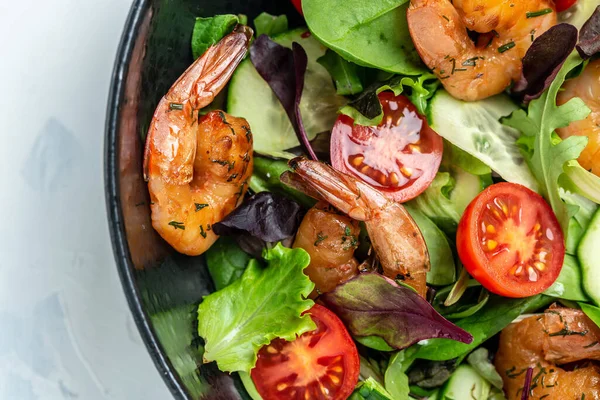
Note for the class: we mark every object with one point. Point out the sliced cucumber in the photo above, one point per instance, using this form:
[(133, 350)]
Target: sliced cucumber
[(466, 188), (251, 97), (475, 128), (579, 13), (466, 383), (588, 257)]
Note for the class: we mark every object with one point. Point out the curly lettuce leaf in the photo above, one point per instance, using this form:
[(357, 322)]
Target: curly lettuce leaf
[(545, 153), (263, 305)]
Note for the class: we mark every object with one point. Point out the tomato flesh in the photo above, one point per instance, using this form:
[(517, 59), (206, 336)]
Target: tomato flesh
[(510, 241), (400, 156), (321, 364), (563, 5)]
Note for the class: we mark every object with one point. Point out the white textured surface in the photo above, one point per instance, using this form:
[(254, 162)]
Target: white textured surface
[(65, 329)]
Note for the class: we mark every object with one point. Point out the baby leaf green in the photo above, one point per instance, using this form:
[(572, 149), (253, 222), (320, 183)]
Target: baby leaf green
[(263, 305)]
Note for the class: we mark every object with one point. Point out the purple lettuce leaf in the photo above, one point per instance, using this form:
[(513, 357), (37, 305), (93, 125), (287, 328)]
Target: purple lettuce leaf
[(267, 216), (371, 305), (284, 70), (589, 36), (543, 60)]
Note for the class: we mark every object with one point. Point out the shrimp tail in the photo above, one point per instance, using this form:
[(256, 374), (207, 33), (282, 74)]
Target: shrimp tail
[(171, 140), (347, 194), (394, 235)]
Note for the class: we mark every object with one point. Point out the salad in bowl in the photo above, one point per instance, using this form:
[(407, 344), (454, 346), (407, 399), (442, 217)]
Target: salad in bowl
[(398, 200)]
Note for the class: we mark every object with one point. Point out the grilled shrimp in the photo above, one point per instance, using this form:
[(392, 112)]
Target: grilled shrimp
[(197, 168), (587, 87), (394, 235), (559, 336), (330, 239), (473, 71)]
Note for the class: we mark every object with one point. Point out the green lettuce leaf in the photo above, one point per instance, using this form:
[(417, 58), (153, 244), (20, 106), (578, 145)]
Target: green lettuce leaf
[(208, 31), (545, 153), (370, 390), (345, 74), (577, 180), (263, 305), (267, 24), (396, 379), (366, 109), (480, 361), (435, 203)]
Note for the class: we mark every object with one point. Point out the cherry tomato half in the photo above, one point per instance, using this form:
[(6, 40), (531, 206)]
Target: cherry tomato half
[(400, 157), (562, 5), (322, 364), (298, 5), (510, 241)]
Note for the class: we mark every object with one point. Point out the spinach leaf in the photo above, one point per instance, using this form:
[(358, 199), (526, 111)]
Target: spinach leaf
[(498, 313), (226, 262), (480, 361), (369, 33), (592, 312), (545, 155), (262, 305), (267, 24), (345, 74), (443, 270), (208, 31), (371, 305)]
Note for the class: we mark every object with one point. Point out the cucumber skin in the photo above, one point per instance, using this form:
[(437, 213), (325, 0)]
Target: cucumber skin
[(588, 253)]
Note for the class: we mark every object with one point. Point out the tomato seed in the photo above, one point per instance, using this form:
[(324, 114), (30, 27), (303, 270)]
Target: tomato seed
[(533, 276), (491, 229), (394, 179), (414, 148), (407, 172), (491, 245), (540, 266), (282, 386)]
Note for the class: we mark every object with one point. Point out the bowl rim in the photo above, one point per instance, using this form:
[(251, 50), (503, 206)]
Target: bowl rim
[(112, 191)]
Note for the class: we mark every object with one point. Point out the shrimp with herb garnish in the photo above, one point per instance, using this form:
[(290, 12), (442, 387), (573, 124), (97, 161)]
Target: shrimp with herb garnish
[(197, 168), (475, 69), (394, 235)]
